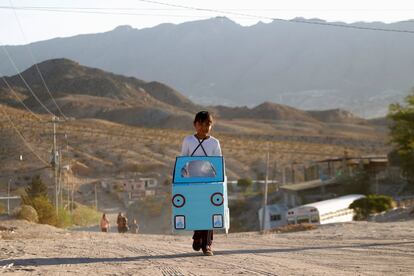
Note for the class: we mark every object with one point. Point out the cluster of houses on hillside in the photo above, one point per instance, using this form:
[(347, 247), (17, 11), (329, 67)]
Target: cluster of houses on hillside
[(329, 185), (129, 189)]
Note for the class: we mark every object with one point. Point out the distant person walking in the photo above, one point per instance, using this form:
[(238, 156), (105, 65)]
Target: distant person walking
[(134, 227), (122, 223), (104, 223)]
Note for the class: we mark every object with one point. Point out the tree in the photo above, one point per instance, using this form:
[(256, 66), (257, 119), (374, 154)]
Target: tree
[(359, 183), (36, 188), (402, 134), (36, 196)]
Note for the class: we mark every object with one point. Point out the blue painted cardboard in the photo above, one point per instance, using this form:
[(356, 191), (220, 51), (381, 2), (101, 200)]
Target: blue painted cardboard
[(199, 194)]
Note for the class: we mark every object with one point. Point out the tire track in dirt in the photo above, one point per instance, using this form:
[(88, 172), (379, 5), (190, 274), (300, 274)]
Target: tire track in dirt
[(165, 269), (207, 261)]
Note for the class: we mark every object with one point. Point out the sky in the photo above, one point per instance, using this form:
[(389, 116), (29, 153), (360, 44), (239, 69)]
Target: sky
[(32, 21)]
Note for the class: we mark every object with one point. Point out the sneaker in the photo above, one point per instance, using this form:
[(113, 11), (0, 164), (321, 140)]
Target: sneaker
[(197, 245), (207, 251)]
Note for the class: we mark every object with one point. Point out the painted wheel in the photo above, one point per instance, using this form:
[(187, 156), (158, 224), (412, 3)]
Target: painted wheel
[(217, 199), (178, 201)]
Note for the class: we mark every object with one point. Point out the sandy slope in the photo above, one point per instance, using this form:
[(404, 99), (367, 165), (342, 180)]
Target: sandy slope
[(360, 248)]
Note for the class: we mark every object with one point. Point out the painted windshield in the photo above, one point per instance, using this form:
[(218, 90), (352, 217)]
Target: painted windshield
[(198, 168)]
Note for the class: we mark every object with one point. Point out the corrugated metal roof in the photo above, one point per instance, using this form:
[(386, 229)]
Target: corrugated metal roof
[(308, 185)]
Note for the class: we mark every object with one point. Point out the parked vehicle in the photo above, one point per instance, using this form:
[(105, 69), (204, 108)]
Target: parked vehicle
[(323, 212)]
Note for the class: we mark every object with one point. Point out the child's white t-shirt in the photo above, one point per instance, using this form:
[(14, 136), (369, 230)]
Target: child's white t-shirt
[(210, 145)]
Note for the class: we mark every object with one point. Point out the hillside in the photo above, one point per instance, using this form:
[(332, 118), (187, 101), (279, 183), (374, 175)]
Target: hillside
[(106, 148), (84, 92), (217, 61)]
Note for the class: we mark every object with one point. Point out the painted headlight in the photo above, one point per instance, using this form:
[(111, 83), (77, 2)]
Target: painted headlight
[(178, 200), (217, 199)]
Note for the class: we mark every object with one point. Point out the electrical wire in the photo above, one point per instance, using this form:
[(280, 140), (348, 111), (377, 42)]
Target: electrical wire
[(90, 10), (17, 97), (277, 19), (22, 137), (24, 81), (102, 13), (35, 61)]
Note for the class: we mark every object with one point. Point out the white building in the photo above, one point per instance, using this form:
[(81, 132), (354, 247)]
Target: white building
[(275, 216)]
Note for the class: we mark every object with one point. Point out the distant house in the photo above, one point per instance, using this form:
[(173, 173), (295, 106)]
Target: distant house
[(130, 189), (139, 188), (373, 164), (275, 216), (310, 191), (149, 182), (330, 172), (131, 185)]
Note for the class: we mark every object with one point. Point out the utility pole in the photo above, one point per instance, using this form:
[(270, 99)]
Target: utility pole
[(55, 162), (264, 204), (96, 198), (8, 197), (67, 187), (73, 191), (60, 178), (67, 171)]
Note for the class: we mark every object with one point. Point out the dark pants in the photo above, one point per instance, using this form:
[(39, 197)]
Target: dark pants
[(206, 237)]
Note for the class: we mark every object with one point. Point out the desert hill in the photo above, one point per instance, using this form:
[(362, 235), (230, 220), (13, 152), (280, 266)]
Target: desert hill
[(84, 92)]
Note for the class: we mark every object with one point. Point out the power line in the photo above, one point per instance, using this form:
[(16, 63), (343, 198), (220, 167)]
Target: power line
[(277, 19), (35, 62), (22, 137), (100, 12), (174, 9), (17, 97), (24, 81), (224, 11)]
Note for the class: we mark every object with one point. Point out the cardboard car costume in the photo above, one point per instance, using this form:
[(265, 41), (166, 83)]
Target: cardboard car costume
[(199, 194)]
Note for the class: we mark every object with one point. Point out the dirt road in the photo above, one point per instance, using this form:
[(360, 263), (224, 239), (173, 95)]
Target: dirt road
[(358, 248)]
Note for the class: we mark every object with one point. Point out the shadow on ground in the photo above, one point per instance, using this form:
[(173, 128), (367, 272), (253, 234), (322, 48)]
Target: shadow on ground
[(81, 260)]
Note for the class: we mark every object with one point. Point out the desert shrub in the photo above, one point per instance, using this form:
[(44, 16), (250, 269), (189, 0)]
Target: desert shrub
[(85, 216), (20, 191), (2, 208), (244, 183), (45, 210), (371, 204), (294, 228), (64, 218), (35, 189), (28, 213)]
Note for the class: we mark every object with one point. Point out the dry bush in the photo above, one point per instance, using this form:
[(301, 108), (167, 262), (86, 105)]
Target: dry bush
[(294, 228), (28, 213), (85, 216), (2, 208)]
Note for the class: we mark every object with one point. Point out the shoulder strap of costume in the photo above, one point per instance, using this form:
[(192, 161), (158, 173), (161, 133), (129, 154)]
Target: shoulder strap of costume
[(199, 145)]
